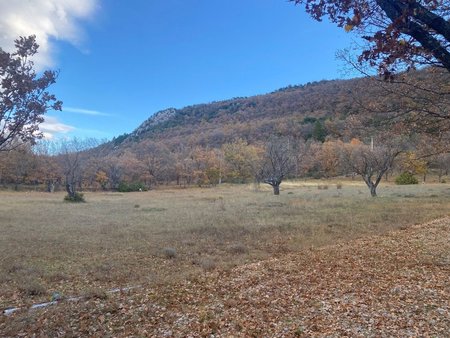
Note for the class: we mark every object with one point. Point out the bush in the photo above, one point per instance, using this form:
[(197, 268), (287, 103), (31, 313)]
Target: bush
[(32, 287), (208, 264), (95, 293), (238, 248), (170, 253), (406, 178), (76, 198), (129, 187)]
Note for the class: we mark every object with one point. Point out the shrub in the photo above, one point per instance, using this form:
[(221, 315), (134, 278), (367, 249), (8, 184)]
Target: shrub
[(129, 187), (238, 248), (406, 178), (94, 293), (32, 287), (170, 253), (208, 264), (123, 187), (76, 198)]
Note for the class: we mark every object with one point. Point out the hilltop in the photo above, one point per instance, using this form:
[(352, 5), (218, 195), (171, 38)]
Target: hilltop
[(291, 110)]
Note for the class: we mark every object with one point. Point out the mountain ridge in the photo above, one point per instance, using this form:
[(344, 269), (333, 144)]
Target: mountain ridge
[(294, 110), (305, 104)]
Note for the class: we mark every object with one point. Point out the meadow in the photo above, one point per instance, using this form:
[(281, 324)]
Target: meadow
[(166, 235)]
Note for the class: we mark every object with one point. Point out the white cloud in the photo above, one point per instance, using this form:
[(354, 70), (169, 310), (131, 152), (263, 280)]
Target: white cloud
[(85, 111), (93, 133), (51, 127), (47, 19)]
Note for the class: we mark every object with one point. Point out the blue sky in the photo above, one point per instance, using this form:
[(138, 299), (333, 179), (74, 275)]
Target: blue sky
[(121, 61)]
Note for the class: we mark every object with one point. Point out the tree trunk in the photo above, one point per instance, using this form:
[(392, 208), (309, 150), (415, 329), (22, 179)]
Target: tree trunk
[(70, 190), (415, 28), (276, 189), (371, 185), (50, 187), (373, 190)]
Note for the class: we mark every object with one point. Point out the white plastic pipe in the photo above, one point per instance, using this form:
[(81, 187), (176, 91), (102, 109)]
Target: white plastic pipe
[(11, 310)]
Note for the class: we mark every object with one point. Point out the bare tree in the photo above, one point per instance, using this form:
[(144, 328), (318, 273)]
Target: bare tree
[(371, 162), (49, 168), (442, 163), (278, 162), (72, 155)]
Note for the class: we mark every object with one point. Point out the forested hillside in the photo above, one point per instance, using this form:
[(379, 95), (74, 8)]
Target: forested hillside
[(313, 110), (293, 111), (320, 129)]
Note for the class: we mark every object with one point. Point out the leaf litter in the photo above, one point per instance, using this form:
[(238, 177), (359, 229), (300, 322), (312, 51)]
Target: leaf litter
[(397, 284)]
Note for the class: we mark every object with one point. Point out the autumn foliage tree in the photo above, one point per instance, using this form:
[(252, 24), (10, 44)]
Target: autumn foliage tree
[(327, 158), (242, 160), (398, 33), (412, 164), (101, 178), (19, 166), (158, 161), (24, 98)]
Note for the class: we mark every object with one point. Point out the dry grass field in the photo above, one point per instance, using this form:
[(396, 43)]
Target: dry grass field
[(162, 237)]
